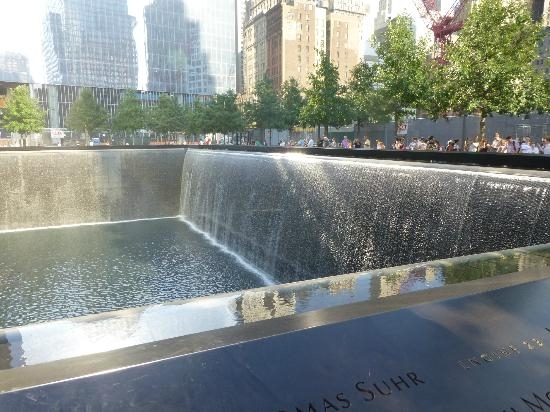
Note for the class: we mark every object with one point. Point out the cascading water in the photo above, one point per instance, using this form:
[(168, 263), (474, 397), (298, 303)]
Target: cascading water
[(300, 217)]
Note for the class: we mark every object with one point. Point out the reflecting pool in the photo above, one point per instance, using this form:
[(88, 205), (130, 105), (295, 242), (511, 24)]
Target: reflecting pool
[(72, 271)]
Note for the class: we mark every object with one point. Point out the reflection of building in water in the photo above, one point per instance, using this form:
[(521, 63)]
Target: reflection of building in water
[(390, 285), (531, 260), (341, 284), (11, 350), (431, 273), (408, 280), (261, 305)]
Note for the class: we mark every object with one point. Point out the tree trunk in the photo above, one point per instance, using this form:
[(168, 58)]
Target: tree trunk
[(482, 124), (325, 129), (395, 125)]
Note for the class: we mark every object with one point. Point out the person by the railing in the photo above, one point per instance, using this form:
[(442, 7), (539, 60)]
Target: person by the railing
[(546, 146), (526, 146), (346, 144), (483, 146)]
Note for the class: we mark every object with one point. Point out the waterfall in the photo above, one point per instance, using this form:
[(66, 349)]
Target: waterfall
[(299, 217)]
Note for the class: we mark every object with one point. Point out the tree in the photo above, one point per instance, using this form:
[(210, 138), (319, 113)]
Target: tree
[(403, 69), (129, 115), (437, 101), (325, 103), (193, 119), (22, 114), (264, 111), (491, 63), (167, 116), (292, 102), (224, 114), (86, 115), (364, 98)]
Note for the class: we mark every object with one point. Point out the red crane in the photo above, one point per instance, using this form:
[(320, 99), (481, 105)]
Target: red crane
[(443, 26)]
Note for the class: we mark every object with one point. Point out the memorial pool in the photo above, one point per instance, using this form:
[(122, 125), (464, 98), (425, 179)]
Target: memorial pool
[(71, 271)]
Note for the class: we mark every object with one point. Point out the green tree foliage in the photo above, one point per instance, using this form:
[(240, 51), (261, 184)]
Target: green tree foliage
[(166, 117), (194, 119), (491, 64), (367, 104), (129, 115), (292, 102), (223, 114), (265, 111), (403, 69), (22, 114), (325, 104), (436, 101), (86, 115)]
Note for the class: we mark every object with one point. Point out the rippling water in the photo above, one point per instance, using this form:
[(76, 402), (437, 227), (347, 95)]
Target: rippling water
[(64, 272)]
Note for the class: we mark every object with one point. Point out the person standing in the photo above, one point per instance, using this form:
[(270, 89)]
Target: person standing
[(346, 144), (511, 145)]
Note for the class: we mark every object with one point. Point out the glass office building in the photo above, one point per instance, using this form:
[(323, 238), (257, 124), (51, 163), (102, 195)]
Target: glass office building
[(186, 48)]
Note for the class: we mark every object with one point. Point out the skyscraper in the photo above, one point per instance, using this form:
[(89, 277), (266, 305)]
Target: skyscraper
[(181, 47), (91, 43)]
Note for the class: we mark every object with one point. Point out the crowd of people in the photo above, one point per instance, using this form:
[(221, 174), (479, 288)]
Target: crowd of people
[(508, 144)]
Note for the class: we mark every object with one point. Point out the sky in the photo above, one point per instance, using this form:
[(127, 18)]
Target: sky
[(23, 38)]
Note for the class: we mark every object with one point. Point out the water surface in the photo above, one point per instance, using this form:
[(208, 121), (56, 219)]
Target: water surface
[(73, 271)]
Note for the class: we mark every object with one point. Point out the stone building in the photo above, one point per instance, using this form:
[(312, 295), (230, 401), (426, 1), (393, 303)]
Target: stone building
[(281, 38)]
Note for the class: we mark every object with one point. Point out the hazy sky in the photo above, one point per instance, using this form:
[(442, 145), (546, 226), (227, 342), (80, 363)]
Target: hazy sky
[(23, 38)]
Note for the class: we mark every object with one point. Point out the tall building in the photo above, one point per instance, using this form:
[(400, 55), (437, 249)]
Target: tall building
[(281, 38), (58, 47), (389, 9), (540, 10)]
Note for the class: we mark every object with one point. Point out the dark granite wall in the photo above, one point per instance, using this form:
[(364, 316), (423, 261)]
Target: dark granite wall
[(299, 217), (50, 188)]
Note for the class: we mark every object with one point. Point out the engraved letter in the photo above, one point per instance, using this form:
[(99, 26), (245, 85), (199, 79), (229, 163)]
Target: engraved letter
[(310, 409), (399, 381), (464, 366), (329, 405), (474, 361), (514, 349), (538, 405), (369, 395), (486, 357), (345, 402), (380, 391), (504, 352), (414, 378)]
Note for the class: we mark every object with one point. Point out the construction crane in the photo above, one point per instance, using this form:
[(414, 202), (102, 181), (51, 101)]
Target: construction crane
[(443, 26)]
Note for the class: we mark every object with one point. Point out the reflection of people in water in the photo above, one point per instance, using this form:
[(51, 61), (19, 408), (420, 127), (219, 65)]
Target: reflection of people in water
[(11, 350)]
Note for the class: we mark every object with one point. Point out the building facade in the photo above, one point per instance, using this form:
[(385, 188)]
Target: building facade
[(281, 38), (58, 47)]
